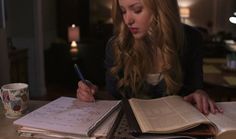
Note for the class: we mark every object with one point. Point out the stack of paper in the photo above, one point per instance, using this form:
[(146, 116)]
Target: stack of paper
[(69, 118)]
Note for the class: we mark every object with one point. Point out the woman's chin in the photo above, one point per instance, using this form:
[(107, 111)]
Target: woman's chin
[(138, 36)]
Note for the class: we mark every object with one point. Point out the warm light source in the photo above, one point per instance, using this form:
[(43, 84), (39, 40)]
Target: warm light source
[(232, 20), (73, 38), (73, 33), (184, 12), (73, 44), (186, 3), (74, 50)]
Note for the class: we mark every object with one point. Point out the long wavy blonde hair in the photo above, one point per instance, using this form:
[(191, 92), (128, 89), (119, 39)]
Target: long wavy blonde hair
[(165, 33)]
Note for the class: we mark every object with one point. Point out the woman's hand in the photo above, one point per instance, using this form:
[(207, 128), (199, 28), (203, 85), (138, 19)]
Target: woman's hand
[(86, 91), (203, 102)]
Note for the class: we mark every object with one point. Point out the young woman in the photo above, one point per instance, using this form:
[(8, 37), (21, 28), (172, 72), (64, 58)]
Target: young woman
[(152, 55)]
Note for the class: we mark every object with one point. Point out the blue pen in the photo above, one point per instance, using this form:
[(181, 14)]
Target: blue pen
[(79, 73), (81, 76)]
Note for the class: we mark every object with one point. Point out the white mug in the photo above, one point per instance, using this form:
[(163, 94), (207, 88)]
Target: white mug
[(15, 99)]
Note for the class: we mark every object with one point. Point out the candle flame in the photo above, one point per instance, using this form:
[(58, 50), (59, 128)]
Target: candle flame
[(73, 44)]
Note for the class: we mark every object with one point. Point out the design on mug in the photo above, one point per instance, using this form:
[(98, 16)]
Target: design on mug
[(5, 97), (16, 105), (23, 95)]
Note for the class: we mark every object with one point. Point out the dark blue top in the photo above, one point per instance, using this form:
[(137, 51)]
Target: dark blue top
[(191, 62)]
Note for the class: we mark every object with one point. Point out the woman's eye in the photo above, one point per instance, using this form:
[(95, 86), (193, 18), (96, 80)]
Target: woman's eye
[(123, 12), (138, 10)]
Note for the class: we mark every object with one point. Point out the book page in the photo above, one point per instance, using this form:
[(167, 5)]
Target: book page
[(226, 121), (166, 115), (68, 115)]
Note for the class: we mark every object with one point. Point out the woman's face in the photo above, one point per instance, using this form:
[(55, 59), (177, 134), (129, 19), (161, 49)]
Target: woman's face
[(136, 16)]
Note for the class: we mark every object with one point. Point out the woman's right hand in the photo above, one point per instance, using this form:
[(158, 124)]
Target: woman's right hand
[(86, 91)]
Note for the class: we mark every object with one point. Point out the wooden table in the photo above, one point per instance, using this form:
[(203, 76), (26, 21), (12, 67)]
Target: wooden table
[(214, 73)]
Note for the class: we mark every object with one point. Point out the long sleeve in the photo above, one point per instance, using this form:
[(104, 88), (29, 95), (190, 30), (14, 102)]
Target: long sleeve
[(191, 61), (110, 80)]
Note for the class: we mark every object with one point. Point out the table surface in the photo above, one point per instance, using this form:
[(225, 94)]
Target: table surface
[(7, 129)]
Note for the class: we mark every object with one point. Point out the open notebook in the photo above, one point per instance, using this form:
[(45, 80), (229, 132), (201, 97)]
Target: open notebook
[(69, 117)]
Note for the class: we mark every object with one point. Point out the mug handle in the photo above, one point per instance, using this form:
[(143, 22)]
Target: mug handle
[(1, 93)]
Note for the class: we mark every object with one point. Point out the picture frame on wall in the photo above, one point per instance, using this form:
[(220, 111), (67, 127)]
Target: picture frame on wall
[(2, 14)]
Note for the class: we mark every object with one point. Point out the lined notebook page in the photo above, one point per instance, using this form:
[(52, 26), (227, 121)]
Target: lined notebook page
[(68, 115)]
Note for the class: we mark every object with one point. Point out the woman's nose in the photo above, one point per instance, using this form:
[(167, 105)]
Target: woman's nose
[(129, 19)]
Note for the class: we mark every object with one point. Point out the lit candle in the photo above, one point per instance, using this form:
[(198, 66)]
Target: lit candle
[(73, 44), (74, 49), (73, 33)]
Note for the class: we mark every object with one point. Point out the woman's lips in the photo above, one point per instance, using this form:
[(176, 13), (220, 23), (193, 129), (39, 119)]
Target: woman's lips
[(134, 30)]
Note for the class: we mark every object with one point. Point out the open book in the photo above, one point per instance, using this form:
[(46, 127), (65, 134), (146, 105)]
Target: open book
[(172, 115), (67, 117)]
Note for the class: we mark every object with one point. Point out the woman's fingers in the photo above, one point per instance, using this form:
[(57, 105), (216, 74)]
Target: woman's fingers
[(203, 102), (85, 96), (199, 103), (213, 107), (205, 105), (85, 91)]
